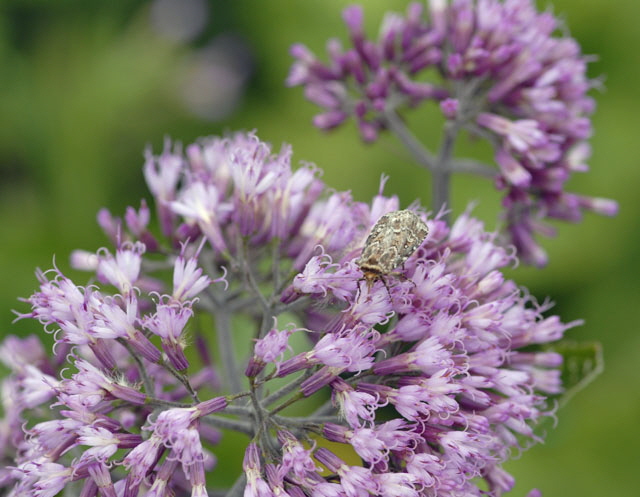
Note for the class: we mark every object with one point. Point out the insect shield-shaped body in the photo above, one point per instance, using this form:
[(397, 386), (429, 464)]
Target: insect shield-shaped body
[(393, 239)]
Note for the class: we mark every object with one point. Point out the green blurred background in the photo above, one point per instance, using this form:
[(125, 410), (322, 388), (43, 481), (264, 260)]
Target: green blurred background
[(86, 85)]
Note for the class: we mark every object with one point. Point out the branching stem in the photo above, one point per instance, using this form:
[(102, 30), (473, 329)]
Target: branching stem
[(146, 381), (182, 379), (227, 350), (419, 152), (229, 424), (285, 390)]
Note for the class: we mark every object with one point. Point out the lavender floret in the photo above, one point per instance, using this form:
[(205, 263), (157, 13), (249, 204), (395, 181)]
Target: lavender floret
[(133, 402), (500, 70)]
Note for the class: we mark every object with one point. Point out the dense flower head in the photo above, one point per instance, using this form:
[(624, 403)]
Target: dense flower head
[(432, 374), (497, 69)]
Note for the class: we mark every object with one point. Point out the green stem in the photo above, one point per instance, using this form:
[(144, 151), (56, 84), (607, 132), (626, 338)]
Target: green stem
[(292, 400), (419, 152), (244, 411), (152, 401), (473, 167), (285, 390), (146, 381), (182, 379), (306, 421), (231, 398), (227, 350), (442, 171), (229, 424), (253, 284)]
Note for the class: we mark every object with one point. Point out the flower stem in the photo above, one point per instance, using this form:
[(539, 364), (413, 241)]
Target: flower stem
[(227, 352), (152, 401), (440, 167), (442, 171), (182, 378), (408, 139), (249, 276), (231, 398), (229, 424), (146, 381), (473, 167), (292, 400), (286, 389), (305, 421)]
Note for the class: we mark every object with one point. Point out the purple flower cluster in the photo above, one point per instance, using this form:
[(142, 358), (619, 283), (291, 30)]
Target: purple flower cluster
[(496, 69), (429, 381)]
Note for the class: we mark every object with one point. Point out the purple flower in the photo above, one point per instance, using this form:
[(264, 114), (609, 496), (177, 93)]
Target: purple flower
[(71, 310), (318, 278), (256, 485), (200, 204), (104, 442), (295, 458), (188, 278), (354, 405), (168, 323), (90, 386), (35, 387), (121, 271), (141, 459), (101, 476), (48, 478), (123, 320), (160, 484), (268, 350), (356, 481), (433, 375), (162, 175), (17, 353), (503, 74), (381, 71), (397, 484)]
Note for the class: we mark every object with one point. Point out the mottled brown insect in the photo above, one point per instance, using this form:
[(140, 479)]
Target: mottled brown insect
[(393, 239)]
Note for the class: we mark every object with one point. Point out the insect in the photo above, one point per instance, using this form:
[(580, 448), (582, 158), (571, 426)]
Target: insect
[(393, 239)]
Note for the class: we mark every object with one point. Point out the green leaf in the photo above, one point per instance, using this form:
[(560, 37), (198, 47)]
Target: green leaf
[(582, 363)]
